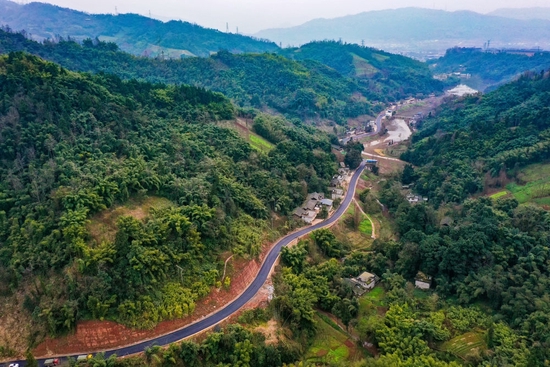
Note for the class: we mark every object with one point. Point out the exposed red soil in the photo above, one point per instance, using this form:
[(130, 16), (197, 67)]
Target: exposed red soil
[(101, 335), (94, 336)]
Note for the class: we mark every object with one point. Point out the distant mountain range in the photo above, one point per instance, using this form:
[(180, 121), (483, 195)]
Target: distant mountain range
[(134, 33), (416, 30), (523, 13)]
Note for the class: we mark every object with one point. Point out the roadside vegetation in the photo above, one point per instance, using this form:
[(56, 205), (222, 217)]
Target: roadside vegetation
[(116, 200)]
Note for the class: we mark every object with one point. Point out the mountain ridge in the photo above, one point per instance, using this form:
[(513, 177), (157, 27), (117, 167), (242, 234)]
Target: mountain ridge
[(537, 12), (134, 33), (411, 29)]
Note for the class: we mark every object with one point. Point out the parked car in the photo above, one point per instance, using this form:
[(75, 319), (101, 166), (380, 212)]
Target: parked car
[(83, 358), (51, 362)]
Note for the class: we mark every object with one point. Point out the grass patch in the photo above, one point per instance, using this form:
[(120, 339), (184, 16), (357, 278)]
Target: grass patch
[(370, 301), (102, 226), (347, 234), (363, 67), (259, 143), (365, 227), (380, 57), (537, 185), (499, 194), (330, 345), (465, 344), (376, 294)]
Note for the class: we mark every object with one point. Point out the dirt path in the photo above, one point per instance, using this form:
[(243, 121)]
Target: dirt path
[(373, 236), (383, 157)]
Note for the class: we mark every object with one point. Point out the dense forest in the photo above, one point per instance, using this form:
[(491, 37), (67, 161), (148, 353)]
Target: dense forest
[(510, 128), (488, 70), (74, 145), (136, 34), (307, 90), (489, 262), (381, 72)]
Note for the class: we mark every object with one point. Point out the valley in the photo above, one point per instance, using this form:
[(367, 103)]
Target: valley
[(173, 195)]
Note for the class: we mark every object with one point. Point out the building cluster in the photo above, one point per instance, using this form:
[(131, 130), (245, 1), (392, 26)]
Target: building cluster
[(415, 199), (366, 281), (456, 74), (312, 206)]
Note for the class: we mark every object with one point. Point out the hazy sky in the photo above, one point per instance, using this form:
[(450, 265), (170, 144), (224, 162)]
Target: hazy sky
[(254, 15)]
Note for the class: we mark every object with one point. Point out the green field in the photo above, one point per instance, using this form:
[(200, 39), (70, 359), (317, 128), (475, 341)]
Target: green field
[(369, 302), (365, 227), (260, 143), (537, 185), (363, 67), (331, 345), (465, 344), (499, 194)]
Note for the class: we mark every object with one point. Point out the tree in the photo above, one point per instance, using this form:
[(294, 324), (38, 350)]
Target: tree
[(30, 360), (408, 175)]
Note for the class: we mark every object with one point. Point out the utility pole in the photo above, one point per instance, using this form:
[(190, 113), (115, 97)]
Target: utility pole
[(237, 30), (226, 27)]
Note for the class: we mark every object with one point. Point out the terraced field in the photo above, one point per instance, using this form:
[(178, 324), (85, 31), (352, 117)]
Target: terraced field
[(465, 344)]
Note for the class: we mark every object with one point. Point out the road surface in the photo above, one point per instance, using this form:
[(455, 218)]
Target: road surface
[(361, 136), (382, 157), (241, 300)]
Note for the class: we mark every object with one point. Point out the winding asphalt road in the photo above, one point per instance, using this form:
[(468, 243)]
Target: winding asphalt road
[(239, 302), (378, 122)]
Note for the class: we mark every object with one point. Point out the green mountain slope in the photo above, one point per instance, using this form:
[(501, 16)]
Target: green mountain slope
[(134, 33), (308, 90), (381, 72), (417, 30), (85, 157), (487, 254), (510, 128), (488, 70)]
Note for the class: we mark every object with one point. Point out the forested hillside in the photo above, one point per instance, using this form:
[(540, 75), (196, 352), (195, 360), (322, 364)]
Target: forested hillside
[(496, 133), (307, 90), (488, 70), (134, 33), (381, 72), (488, 257), (74, 145)]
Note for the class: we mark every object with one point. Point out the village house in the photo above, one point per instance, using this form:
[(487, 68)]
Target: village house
[(327, 203), (422, 281), (362, 283), (337, 193), (309, 210), (414, 199), (337, 181)]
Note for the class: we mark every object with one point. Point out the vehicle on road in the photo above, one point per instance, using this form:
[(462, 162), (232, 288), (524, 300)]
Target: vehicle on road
[(83, 358), (51, 362)]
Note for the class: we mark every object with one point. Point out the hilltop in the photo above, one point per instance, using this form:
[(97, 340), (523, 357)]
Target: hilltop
[(134, 33), (416, 31), (381, 72)]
